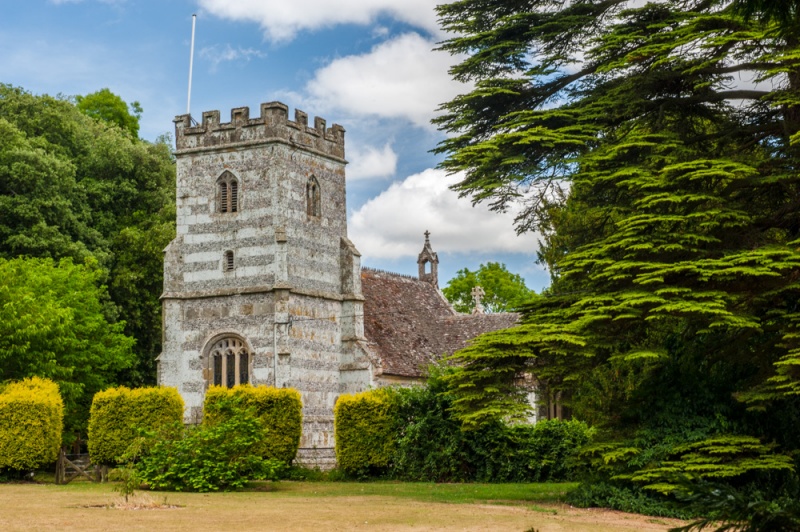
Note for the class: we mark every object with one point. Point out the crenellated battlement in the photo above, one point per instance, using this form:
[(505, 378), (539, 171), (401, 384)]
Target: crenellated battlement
[(273, 125)]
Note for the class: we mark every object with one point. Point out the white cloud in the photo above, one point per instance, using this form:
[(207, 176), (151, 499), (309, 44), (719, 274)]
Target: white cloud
[(368, 161), (390, 225), (217, 54), (281, 19), (399, 78)]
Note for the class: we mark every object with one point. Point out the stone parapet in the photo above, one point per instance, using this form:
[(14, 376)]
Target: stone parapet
[(272, 126)]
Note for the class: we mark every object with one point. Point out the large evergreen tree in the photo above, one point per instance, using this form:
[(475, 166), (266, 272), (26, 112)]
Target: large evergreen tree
[(665, 180)]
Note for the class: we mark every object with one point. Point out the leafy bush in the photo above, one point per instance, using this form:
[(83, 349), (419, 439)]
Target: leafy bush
[(544, 452), (31, 423), (278, 410), (219, 456), (432, 447), (411, 434), (117, 415), (625, 497), (364, 428)]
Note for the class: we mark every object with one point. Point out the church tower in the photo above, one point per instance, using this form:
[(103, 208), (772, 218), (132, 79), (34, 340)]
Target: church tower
[(261, 284)]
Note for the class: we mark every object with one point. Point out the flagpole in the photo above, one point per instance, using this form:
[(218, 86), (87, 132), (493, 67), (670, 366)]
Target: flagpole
[(191, 63)]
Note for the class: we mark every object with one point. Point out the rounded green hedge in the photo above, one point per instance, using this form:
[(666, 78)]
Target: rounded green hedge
[(117, 415), (279, 410), (31, 423)]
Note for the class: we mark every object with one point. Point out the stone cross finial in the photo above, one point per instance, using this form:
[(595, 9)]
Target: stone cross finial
[(427, 236), (477, 295)]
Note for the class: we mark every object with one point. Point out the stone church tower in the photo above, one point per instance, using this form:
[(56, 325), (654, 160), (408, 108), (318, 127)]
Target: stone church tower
[(261, 284)]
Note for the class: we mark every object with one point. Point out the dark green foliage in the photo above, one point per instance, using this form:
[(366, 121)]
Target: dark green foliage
[(31, 423), (53, 324), (666, 191), (431, 446), (504, 291), (278, 410), (223, 456), (119, 414), (728, 509), (603, 493), (411, 434)]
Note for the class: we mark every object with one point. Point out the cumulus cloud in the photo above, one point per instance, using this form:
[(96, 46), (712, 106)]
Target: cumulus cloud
[(368, 162), (217, 54), (399, 78), (390, 225), (282, 20)]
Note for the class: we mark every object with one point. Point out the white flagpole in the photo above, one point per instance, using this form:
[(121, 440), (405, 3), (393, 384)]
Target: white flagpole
[(191, 62)]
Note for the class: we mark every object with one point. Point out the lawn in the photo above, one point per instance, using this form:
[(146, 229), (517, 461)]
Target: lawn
[(314, 506)]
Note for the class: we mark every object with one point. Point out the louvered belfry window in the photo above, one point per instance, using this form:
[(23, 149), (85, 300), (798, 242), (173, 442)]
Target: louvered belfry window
[(227, 261), (230, 362), (228, 196)]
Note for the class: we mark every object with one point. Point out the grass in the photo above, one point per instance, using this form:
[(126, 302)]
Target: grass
[(551, 492), (314, 506)]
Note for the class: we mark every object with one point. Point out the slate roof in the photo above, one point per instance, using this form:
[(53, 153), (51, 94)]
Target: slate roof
[(409, 323)]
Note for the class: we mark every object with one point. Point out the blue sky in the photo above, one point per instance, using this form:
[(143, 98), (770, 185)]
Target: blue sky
[(365, 64)]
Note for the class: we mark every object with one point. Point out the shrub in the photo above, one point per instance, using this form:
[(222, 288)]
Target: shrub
[(432, 447), (31, 423), (364, 429), (118, 414), (220, 456), (279, 411)]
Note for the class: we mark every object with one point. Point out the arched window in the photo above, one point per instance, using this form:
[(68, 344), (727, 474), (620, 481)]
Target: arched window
[(228, 195), (313, 198), (227, 261), (230, 362)]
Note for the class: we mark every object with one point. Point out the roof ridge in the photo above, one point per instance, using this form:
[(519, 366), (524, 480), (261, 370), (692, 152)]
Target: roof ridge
[(395, 274)]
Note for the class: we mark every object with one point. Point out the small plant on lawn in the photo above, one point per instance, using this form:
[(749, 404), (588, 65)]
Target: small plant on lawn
[(127, 474), (223, 456)]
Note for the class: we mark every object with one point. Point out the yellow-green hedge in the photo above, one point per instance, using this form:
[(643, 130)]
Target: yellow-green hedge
[(364, 427), (117, 414), (279, 409), (31, 423)]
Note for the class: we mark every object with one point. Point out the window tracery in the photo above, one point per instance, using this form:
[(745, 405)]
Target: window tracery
[(230, 362)]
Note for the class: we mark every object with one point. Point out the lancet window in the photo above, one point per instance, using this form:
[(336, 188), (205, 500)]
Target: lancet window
[(313, 207), (228, 193)]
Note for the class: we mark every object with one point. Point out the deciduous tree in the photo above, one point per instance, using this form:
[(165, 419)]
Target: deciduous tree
[(54, 323), (504, 291)]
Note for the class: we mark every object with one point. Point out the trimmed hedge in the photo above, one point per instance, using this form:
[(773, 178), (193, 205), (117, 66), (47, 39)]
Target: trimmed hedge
[(31, 423), (117, 415), (365, 432), (279, 410)]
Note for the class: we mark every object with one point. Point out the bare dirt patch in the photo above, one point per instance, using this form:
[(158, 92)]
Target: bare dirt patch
[(73, 507)]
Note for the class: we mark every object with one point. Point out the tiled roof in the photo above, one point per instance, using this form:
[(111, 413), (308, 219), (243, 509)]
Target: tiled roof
[(410, 324)]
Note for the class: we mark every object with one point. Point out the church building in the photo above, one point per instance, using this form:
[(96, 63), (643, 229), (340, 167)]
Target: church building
[(263, 286)]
